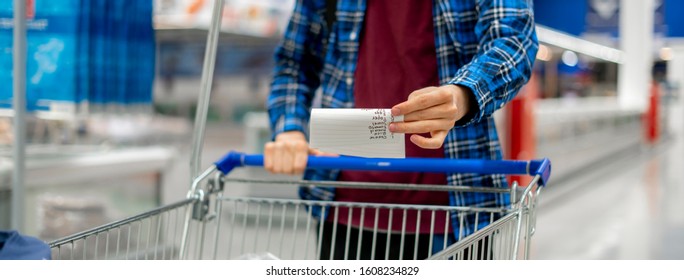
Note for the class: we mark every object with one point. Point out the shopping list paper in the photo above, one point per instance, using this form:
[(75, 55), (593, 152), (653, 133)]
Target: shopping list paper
[(356, 132)]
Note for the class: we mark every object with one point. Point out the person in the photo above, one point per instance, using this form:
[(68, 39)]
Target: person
[(17, 246), (445, 65)]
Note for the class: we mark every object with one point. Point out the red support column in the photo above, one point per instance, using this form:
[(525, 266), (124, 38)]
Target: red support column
[(520, 119), (651, 118), (30, 9)]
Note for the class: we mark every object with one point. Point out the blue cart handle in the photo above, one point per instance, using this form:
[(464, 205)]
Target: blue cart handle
[(541, 167)]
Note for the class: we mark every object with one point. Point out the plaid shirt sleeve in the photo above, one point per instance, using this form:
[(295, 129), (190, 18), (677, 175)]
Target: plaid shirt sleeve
[(503, 63), (298, 62)]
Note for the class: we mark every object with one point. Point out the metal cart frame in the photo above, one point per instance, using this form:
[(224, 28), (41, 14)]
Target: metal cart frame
[(210, 225)]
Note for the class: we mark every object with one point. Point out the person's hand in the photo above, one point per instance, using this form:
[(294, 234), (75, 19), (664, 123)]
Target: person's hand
[(289, 153), (434, 110)]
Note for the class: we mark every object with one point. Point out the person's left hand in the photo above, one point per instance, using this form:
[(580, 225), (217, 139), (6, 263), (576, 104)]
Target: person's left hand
[(434, 110)]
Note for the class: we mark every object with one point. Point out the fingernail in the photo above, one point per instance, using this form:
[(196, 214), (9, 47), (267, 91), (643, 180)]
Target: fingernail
[(392, 127), (396, 112), (414, 139)]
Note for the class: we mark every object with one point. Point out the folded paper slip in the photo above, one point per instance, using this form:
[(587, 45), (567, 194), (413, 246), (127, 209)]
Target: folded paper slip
[(356, 132)]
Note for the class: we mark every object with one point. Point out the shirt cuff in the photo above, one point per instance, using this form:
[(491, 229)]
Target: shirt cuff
[(479, 99), (291, 123)]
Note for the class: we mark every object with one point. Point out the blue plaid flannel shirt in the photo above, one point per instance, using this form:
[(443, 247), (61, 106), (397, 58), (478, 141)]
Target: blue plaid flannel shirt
[(488, 46)]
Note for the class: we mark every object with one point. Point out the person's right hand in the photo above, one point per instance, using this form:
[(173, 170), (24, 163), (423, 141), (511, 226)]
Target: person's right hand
[(287, 154)]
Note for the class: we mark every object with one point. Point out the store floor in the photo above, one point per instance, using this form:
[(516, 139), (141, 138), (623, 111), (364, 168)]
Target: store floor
[(630, 207)]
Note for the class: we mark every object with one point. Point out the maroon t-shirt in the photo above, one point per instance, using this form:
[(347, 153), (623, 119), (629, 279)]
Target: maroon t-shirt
[(396, 56)]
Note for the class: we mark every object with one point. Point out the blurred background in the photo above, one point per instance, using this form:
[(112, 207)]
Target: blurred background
[(112, 87)]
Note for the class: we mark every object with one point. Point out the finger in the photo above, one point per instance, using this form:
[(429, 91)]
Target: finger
[(300, 157), (444, 111), (317, 152), (434, 142), (422, 101), (420, 92), (288, 158), (278, 150), (268, 156), (420, 126)]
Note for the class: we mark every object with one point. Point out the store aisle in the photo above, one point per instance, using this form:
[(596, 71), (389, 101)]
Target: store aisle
[(631, 207)]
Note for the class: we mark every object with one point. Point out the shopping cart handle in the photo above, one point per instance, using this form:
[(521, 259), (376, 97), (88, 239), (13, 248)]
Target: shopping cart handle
[(541, 167)]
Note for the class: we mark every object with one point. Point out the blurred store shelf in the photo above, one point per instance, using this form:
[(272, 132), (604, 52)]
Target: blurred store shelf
[(53, 165), (118, 181), (565, 41), (580, 133), (174, 33), (96, 167)]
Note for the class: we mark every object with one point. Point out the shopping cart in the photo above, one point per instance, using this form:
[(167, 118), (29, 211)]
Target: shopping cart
[(212, 225), (209, 224)]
